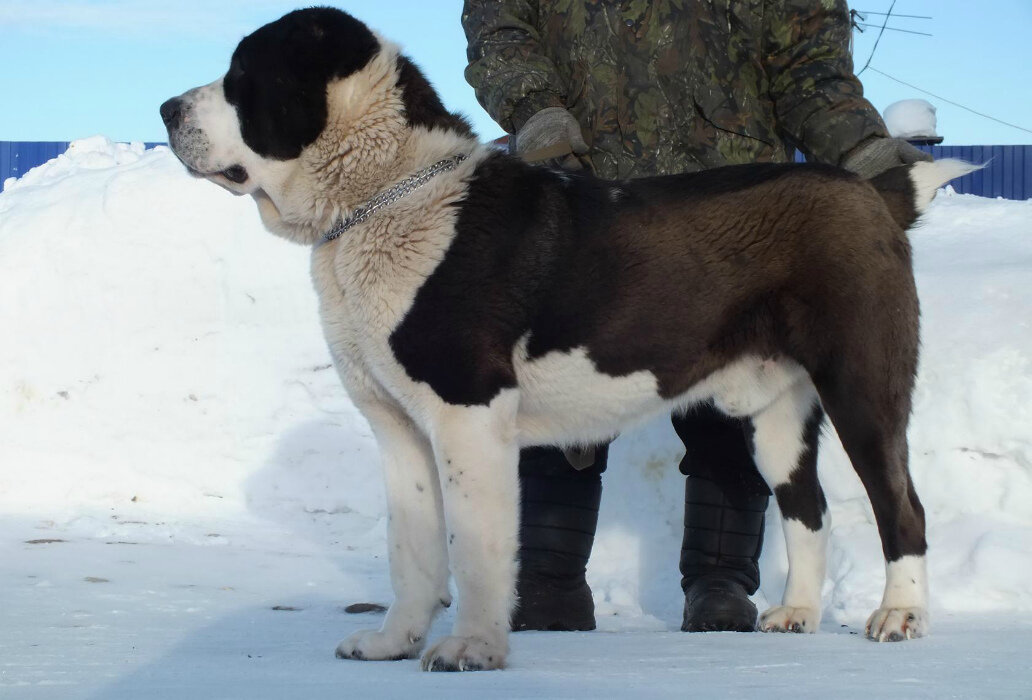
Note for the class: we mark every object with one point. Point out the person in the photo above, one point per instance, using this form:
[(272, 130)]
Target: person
[(633, 89)]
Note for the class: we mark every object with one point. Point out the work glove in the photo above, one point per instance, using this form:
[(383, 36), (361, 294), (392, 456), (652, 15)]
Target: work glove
[(875, 156), (550, 133)]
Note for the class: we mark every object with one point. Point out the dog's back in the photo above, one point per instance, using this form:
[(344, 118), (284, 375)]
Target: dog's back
[(678, 275)]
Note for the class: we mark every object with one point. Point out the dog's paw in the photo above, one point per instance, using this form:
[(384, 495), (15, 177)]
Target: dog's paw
[(464, 654), (785, 619), (897, 624), (375, 645)]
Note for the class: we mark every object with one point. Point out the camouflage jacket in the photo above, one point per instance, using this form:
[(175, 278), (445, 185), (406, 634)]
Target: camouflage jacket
[(666, 86)]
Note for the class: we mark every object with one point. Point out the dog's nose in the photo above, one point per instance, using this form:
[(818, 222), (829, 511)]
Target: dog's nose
[(171, 112)]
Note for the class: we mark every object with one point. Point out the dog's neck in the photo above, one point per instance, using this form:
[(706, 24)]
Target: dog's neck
[(386, 197), (311, 203), (367, 146)]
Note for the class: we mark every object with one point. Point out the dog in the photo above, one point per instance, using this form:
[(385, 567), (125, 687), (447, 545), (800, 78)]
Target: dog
[(474, 304)]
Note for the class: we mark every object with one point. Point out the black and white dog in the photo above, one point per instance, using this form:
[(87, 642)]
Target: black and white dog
[(475, 305)]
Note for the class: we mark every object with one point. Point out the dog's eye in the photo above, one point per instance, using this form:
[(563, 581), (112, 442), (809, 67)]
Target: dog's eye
[(235, 174)]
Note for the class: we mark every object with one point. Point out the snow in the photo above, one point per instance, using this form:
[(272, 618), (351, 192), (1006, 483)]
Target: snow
[(910, 119), (168, 413)]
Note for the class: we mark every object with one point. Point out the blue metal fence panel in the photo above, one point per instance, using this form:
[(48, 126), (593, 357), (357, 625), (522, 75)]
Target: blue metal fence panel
[(18, 157), (1008, 172)]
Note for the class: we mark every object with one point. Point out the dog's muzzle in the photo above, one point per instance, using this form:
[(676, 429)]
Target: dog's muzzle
[(191, 147)]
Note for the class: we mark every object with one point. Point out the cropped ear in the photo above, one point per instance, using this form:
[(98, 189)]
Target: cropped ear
[(278, 77), (423, 107)]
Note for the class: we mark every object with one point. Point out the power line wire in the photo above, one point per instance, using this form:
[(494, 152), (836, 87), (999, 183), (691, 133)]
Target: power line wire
[(955, 104), (865, 12), (891, 29), (887, 15)]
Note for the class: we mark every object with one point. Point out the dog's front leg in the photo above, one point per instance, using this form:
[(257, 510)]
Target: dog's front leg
[(415, 537), (477, 460)]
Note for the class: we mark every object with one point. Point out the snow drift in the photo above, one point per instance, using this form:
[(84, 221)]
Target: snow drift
[(161, 361)]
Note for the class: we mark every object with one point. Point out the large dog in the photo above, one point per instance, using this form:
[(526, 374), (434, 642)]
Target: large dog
[(474, 305)]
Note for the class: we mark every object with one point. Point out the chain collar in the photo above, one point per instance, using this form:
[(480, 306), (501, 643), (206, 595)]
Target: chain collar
[(392, 194)]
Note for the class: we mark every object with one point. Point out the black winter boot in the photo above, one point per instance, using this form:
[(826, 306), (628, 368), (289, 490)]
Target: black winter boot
[(719, 557), (558, 515)]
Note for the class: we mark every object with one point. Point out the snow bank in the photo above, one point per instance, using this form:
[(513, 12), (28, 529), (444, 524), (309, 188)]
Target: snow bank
[(162, 363)]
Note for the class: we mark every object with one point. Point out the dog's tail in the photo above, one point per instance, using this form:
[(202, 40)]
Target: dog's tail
[(909, 189)]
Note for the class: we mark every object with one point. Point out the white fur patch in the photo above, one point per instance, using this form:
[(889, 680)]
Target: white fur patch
[(779, 444), (415, 538), (565, 399), (904, 610), (906, 583), (749, 385), (477, 458), (928, 177)]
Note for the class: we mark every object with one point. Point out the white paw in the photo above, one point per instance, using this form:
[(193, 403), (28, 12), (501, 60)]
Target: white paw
[(785, 619), (897, 624), (465, 654), (375, 645)]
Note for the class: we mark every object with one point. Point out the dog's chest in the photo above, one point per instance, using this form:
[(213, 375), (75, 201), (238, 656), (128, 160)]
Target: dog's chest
[(367, 281)]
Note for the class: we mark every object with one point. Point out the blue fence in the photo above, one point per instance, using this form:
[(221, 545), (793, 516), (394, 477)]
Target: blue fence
[(1008, 174), (1008, 171), (18, 157)]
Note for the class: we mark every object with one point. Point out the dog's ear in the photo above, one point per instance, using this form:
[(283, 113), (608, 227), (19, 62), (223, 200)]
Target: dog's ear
[(278, 76), (423, 106), (329, 42)]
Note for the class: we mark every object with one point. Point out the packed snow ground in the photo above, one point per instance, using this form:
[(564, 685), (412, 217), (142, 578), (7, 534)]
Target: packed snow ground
[(188, 500)]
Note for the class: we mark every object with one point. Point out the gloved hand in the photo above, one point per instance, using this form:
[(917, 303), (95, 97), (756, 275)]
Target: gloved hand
[(877, 155), (552, 128)]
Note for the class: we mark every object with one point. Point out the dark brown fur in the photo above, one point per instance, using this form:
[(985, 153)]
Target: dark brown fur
[(680, 276)]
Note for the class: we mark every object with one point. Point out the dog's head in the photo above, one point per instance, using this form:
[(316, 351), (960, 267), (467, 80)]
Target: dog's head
[(309, 118)]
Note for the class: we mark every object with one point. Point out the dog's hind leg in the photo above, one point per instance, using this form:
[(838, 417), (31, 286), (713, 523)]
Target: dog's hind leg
[(477, 459), (415, 538), (865, 378), (785, 437), (868, 401)]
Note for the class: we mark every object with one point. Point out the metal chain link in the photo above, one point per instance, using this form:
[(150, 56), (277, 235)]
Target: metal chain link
[(393, 193)]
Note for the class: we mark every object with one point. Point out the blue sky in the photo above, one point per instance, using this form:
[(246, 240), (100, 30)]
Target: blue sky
[(75, 68)]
